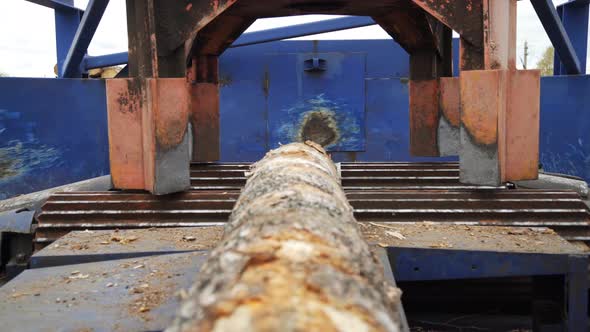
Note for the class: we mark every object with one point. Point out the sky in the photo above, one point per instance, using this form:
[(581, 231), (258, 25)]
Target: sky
[(27, 38)]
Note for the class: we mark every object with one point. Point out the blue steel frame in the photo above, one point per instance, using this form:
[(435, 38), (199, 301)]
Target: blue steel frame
[(257, 37), (72, 64), (558, 35), (421, 264), (574, 16), (568, 20)]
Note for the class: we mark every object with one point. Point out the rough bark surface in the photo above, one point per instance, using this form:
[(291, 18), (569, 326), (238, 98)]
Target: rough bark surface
[(292, 257)]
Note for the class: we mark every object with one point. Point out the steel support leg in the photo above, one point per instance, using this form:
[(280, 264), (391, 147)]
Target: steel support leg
[(148, 138), (499, 105), (433, 104), (205, 108)]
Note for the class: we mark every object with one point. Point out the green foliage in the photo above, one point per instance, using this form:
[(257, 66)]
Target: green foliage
[(545, 64)]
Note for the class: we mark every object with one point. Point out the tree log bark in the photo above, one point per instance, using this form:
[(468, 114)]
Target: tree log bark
[(292, 257)]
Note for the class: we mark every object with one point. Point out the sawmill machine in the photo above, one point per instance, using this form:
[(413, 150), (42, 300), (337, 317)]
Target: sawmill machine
[(476, 218)]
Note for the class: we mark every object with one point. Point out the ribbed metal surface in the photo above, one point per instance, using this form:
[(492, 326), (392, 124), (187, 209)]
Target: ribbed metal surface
[(354, 175), (379, 192)]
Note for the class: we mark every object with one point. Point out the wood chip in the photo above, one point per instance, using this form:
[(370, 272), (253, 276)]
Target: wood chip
[(516, 232), (17, 295), (189, 238), (384, 226), (396, 235), (123, 240)]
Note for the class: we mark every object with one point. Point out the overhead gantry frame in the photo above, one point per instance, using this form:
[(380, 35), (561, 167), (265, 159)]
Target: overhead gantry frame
[(168, 110)]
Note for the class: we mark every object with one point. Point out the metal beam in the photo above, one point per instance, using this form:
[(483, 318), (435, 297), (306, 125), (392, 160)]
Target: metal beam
[(55, 4), (558, 36), (108, 60), (258, 37), (86, 30), (574, 17), (304, 29), (67, 21)]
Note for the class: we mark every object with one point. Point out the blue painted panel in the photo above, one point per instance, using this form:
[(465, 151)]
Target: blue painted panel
[(244, 73), (388, 134), (565, 125), (52, 132), (242, 113), (412, 264), (333, 97)]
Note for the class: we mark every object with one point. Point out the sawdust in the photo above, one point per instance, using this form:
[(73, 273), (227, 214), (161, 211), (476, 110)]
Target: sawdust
[(492, 238), (154, 289), (99, 242)]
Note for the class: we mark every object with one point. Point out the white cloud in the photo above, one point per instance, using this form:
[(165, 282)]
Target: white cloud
[(27, 41)]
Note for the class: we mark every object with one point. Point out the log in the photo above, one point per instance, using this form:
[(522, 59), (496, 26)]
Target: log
[(292, 257)]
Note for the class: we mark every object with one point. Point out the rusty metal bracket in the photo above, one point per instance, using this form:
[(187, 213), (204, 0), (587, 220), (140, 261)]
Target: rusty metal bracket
[(449, 121), (434, 117), (424, 117), (499, 127), (463, 16), (204, 113), (148, 137)]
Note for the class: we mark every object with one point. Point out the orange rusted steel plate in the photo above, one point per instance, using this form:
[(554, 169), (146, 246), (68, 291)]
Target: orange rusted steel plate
[(124, 109), (148, 137), (424, 117), (167, 135), (522, 126), (449, 122), (499, 126), (205, 121), (482, 101)]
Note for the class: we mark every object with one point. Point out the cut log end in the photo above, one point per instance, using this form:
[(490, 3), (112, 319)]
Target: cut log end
[(292, 257)]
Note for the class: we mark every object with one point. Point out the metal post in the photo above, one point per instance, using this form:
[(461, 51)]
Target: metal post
[(67, 21)]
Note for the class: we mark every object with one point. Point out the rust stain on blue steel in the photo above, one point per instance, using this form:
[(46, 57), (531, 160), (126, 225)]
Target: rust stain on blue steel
[(24, 155), (327, 122), (18, 158)]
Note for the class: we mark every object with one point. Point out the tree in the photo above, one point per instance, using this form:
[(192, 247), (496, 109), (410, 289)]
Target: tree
[(545, 64)]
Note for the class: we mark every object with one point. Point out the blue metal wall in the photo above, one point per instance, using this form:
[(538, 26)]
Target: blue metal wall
[(54, 131), (565, 125), (261, 83)]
